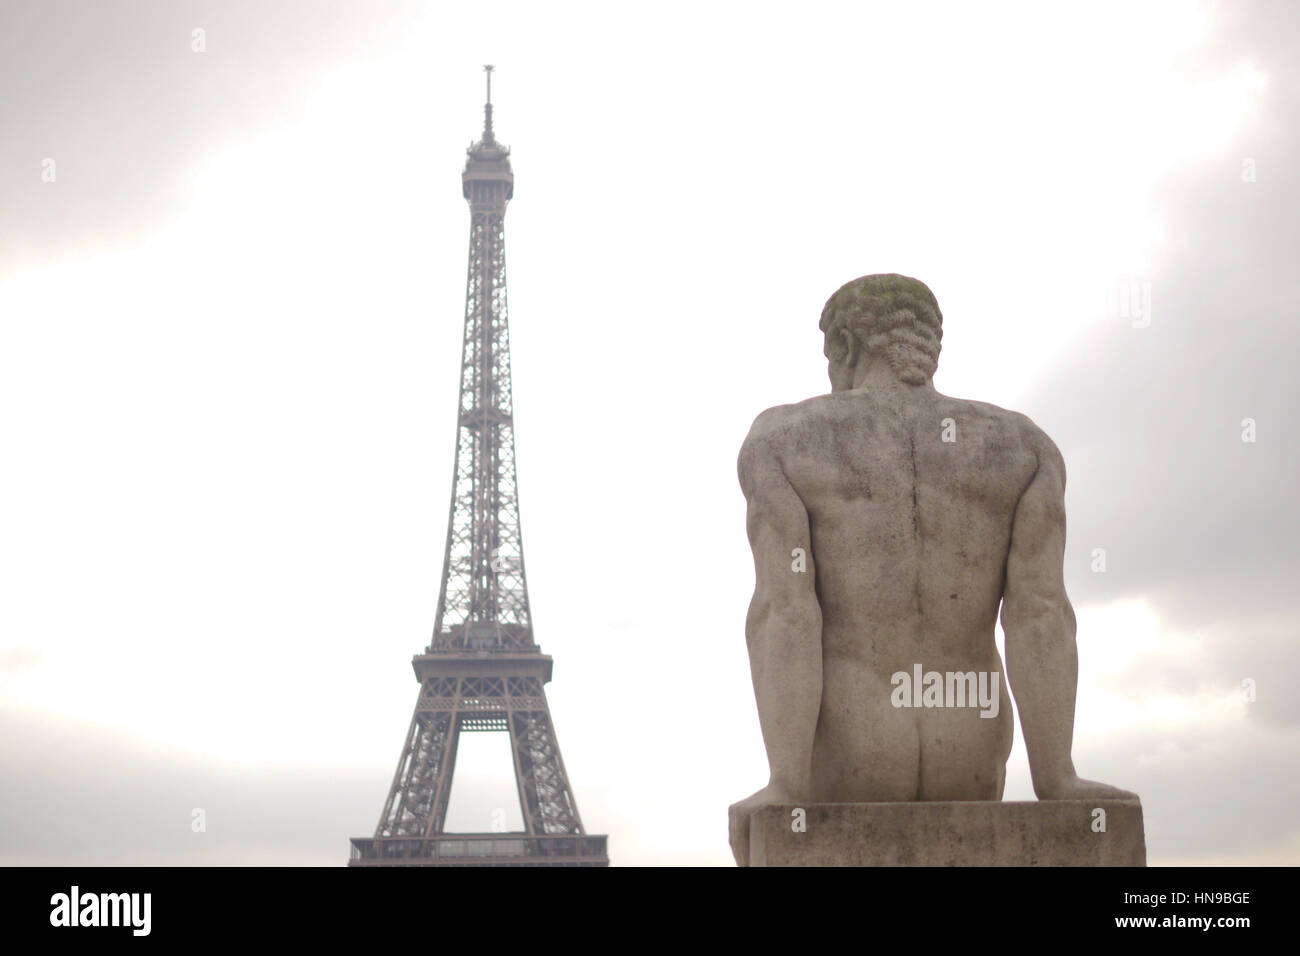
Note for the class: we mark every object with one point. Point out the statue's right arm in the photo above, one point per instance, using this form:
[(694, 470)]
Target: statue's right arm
[(783, 628)]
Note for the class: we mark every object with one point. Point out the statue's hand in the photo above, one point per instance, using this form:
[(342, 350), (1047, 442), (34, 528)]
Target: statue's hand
[(1074, 788), (738, 817)]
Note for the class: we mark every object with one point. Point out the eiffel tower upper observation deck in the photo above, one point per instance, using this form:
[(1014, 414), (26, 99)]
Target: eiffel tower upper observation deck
[(483, 669)]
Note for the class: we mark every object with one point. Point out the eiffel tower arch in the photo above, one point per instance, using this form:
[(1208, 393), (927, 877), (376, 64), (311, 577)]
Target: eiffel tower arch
[(482, 671)]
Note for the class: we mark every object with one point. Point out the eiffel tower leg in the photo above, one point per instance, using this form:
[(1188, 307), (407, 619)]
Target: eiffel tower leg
[(419, 776), (438, 819), (544, 792)]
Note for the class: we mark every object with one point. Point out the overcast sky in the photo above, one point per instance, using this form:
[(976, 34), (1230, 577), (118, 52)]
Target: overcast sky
[(231, 297)]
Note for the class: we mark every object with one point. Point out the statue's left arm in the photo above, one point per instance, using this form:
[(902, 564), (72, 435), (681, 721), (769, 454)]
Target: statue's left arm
[(1042, 657)]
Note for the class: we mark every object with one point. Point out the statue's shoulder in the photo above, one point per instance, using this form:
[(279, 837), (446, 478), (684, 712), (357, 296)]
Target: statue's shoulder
[(776, 426), (1015, 426), (1014, 422), (773, 432)]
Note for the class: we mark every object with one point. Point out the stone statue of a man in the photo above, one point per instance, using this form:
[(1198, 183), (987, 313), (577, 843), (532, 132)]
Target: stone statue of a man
[(888, 524)]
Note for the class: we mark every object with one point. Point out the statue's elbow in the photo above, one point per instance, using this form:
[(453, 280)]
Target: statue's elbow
[(1046, 624)]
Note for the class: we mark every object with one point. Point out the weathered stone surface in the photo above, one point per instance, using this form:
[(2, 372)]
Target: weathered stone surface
[(965, 833), (891, 525)]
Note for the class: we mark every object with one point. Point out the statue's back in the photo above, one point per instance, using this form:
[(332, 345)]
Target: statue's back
[(910, 496)]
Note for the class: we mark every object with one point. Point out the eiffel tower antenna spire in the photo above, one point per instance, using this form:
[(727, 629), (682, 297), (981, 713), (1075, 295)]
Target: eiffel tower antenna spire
[(482, 670)]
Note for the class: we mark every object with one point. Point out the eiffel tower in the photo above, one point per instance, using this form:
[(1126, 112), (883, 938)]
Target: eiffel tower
[(482, 671)]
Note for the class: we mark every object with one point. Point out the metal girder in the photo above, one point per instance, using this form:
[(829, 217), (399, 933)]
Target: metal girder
[(447, 706)]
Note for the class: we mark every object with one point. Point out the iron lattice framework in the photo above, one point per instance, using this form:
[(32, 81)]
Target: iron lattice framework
[(482, 669)]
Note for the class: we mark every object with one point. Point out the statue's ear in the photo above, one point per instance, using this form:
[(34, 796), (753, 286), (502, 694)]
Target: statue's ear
[(850, 346)]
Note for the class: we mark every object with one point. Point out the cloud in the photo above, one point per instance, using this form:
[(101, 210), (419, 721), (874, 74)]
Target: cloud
[(127, 109), (1150, 419), (77, 794), (14, 660)]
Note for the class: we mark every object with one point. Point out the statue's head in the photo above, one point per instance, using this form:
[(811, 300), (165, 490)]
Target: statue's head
[(888, 317)]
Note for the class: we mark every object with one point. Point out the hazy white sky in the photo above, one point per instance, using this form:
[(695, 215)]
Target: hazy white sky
[(230, 334)]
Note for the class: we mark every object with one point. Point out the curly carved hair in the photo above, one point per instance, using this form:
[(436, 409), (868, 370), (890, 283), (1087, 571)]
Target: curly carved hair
[(891, 315)]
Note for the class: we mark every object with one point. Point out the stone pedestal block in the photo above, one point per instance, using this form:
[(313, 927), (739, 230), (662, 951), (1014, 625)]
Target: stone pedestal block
[(972, 833)]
